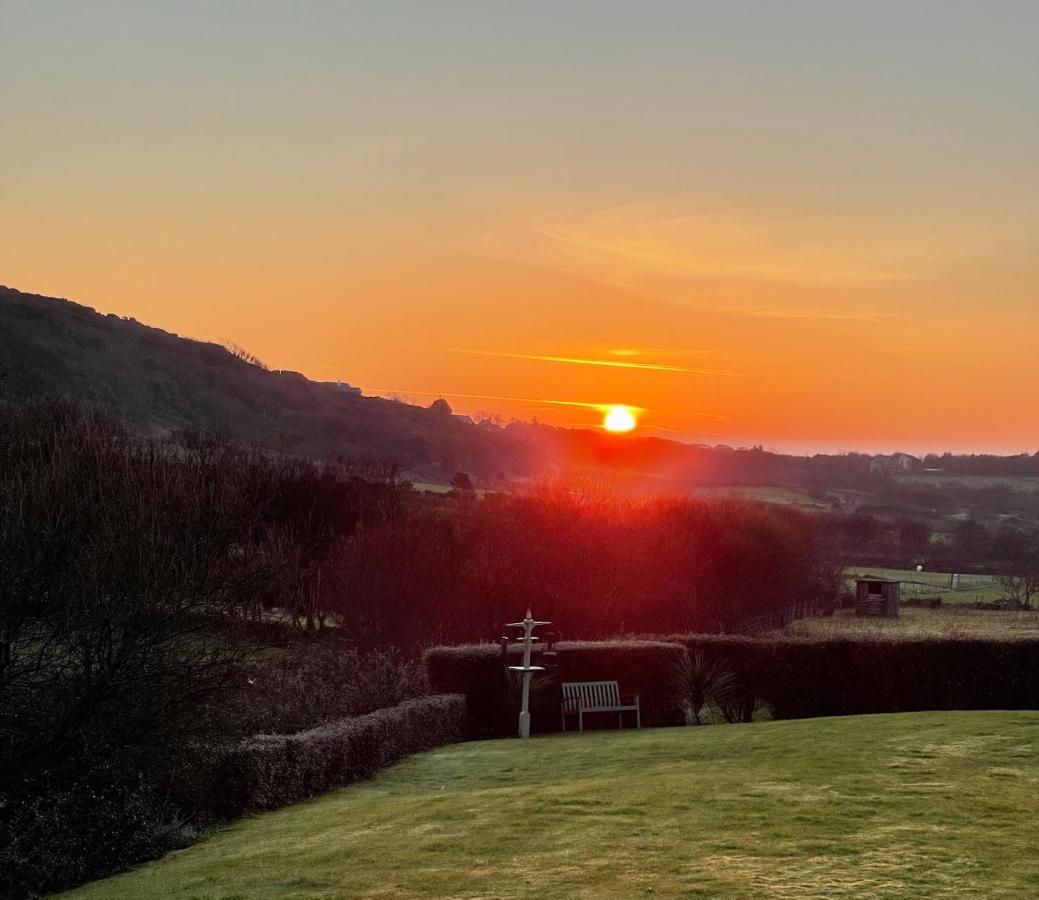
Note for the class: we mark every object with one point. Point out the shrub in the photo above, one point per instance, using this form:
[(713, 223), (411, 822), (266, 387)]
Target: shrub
[(478, 671), (269, 771), (56, 835), (319, 680), (703, 683)]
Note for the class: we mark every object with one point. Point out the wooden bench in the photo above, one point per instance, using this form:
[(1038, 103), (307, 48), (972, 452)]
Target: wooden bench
[(580, 697)]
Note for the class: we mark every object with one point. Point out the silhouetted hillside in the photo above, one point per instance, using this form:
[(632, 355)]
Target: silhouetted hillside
[(51, 348)]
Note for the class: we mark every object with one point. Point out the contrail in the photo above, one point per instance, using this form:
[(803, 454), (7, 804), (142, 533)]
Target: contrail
[(579, 361)]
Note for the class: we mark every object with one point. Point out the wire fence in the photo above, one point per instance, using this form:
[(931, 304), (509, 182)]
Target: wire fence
[(774, 621)]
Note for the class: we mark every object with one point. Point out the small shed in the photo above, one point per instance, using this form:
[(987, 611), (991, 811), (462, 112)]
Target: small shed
[(877, 596)]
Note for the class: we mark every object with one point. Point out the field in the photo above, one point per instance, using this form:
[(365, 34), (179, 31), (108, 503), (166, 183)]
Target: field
[(970, 588), (779, 495), (918, 622), (935, 804), (937, 479)]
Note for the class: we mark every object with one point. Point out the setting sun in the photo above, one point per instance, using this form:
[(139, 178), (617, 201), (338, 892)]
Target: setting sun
[(619, 419)]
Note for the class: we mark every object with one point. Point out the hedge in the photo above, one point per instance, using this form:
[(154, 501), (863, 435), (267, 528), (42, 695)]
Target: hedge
[(793, 677), (646, 668), (799, 678), (268, 771)]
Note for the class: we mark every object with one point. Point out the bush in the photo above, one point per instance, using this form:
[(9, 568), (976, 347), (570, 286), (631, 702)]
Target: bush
[(54, 836), (269, 771), (477, 670), (322, 679), (704, 684)]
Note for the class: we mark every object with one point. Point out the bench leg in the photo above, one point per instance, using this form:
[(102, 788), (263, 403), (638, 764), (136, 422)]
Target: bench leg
[(580, 720), (562, 717), (620, 720), (638, 717)]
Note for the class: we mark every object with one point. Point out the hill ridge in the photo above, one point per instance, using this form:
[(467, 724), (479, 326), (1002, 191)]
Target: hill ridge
[(156, 380)]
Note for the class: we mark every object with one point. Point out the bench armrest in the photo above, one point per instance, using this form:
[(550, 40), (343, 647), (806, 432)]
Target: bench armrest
[(629, 698)]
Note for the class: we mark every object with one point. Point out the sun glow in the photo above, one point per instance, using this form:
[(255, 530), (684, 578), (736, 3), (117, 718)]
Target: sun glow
[(619, 419)]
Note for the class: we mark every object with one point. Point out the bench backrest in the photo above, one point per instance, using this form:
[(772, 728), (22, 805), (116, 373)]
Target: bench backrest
[(593, 694)]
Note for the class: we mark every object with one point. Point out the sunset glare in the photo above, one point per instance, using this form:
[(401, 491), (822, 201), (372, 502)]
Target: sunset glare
[(619, 419)]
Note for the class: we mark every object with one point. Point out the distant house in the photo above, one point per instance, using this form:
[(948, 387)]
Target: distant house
[(896, 462), (344, 388)]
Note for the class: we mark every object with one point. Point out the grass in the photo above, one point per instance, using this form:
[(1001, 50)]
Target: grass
[(918, 622), (971, 589), (779, 495), (924, 804)]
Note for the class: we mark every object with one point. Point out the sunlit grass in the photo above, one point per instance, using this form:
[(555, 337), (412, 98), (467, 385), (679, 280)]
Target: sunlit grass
[(926, 804)]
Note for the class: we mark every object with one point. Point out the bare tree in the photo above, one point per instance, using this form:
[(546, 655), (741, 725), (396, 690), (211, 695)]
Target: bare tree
[(1021, 585), (239, 352)]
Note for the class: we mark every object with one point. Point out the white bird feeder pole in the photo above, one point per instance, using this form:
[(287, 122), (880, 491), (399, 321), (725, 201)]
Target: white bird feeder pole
[(528, 625)]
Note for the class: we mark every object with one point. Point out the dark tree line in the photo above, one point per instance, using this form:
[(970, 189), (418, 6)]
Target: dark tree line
[(970, 546), (596, 565)]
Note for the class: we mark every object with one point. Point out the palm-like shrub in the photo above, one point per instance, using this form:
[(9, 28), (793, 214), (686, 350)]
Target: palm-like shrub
[(702, 682)]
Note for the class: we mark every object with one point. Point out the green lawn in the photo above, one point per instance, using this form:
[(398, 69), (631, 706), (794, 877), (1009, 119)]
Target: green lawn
[(923, 804)]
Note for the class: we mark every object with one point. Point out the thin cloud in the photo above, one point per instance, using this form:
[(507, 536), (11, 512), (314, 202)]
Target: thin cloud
[(610, 363), (787, 312)]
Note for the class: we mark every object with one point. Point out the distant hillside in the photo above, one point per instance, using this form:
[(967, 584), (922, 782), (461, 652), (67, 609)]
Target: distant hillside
[(51, 348)]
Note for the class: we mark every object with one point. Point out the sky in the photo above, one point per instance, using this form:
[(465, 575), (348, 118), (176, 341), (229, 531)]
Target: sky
[(809, 224)]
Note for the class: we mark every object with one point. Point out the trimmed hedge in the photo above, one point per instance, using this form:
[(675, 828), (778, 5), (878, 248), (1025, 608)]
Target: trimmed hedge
[(646, 668), (800, 678), (273, 770), (794, 677)]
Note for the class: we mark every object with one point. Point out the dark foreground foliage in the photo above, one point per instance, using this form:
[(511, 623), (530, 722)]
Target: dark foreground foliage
[(322, 680), (137, 580)]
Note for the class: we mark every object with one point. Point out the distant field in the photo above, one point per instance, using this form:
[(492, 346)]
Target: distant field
[(909, 805), (973, 481), (781, 495), (972, 588), (916, 622)]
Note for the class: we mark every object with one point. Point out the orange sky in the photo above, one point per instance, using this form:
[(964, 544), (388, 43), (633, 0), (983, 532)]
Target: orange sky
[(808, 231)]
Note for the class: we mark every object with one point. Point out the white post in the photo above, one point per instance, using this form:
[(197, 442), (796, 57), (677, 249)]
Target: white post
[(524, 716), (528, 625)]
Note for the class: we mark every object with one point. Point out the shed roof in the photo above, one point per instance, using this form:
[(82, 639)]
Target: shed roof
[(876, 578)]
